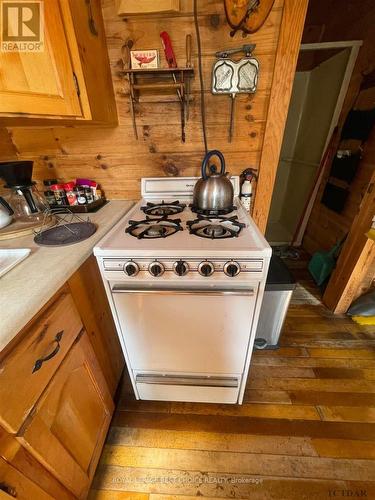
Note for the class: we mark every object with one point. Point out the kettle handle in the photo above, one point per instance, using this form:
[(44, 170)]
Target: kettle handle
[(6, 205), (209, 154)]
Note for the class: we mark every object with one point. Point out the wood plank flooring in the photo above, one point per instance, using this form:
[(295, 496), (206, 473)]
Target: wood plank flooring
[(305, 431)]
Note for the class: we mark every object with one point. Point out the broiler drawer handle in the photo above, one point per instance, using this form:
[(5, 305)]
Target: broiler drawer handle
[(40, 361)]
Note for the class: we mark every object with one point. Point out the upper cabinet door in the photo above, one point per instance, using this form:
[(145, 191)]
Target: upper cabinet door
[(37, 82)]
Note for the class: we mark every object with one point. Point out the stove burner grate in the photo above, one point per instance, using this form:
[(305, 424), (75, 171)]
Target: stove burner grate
[(215, 227), (209, 213), (163, 208), (152, 228)]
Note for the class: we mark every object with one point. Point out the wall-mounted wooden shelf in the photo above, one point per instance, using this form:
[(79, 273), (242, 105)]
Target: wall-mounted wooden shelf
[(135, 7), (163, 82)]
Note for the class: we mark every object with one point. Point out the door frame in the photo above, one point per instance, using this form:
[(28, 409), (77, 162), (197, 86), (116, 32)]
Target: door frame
[(356, 259), (289, 42), (354, 46)]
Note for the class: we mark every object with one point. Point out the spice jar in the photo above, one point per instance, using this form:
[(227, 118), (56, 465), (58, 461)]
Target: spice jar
[(70, 194), (89, 195), (50, 197), (59, 193), (80, 194), (50, 182)]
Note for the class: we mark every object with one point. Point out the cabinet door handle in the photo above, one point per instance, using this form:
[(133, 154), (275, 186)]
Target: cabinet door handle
[(40, 361), (9, 490)]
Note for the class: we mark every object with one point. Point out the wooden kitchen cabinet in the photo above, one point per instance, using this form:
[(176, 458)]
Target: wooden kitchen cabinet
[(69, 82), (13, 484), (53, 421), (87, 289), (41, 82), (20, 384), (67, 428), (28, 468)]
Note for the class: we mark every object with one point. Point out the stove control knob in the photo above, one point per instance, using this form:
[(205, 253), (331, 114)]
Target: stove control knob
[(206, 268), (181, 267), (156, 268), (232, 268), (131, 268)]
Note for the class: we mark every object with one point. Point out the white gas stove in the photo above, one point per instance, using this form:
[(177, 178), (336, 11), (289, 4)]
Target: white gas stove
[(185, 291)]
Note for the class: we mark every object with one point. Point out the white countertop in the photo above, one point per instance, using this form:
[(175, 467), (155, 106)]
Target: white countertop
[(26, 288)]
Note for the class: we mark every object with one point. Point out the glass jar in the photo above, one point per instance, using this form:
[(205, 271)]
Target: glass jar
[(59, 193), (50, 182), (89, 195), (80, 194), (50, 197), (70, 194)]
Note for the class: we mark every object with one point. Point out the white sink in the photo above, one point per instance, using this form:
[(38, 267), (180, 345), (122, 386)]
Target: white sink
[(10, 257)]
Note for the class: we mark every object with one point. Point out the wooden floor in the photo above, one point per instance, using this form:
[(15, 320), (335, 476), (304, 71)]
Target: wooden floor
[(305, 431)]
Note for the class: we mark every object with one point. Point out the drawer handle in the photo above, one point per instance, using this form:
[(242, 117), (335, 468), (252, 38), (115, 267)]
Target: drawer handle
[(9, 490), (40, 361)]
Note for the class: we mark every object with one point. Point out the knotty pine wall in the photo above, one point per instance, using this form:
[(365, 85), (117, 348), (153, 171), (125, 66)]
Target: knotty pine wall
[(112, 156)]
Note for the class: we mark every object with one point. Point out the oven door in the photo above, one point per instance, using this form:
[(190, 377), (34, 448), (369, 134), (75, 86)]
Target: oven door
[(201, 331)]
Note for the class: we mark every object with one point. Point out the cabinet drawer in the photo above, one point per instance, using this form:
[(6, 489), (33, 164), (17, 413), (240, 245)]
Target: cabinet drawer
[(27, 369)]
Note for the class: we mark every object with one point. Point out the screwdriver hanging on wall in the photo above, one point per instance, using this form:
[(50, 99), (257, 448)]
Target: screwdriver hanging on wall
[(172, 63)]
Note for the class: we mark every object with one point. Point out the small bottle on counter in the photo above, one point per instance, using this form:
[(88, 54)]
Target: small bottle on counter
[(50, 197), (94, 187), (80, 194), (70, 194), (59, 193), (50, 182), (89, 195), (247, 189), (246, 194)]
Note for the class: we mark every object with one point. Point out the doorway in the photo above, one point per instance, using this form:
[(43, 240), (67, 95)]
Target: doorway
[(320, 85)]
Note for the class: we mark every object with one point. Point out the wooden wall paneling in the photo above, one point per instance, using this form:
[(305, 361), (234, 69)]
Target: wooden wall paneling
[(113, 156), (356, 258), (128, 7), (7, 148), (286, 60)]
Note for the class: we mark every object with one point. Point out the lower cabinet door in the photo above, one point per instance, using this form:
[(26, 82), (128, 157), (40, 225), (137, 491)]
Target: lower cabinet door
[(14, 485), (67, 428)]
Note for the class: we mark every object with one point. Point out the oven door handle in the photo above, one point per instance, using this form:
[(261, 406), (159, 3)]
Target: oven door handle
[(248, 292)]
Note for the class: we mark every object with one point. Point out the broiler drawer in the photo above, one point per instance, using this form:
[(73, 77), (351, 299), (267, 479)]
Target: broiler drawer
[(198, 394), (28, 368)]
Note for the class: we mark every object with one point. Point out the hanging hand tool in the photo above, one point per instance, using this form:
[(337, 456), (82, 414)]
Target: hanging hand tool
[(235, 77), (247, 49), (231, 122), (188, 65), (172, 63), (247, 16), (125, 56), (169, 55)]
